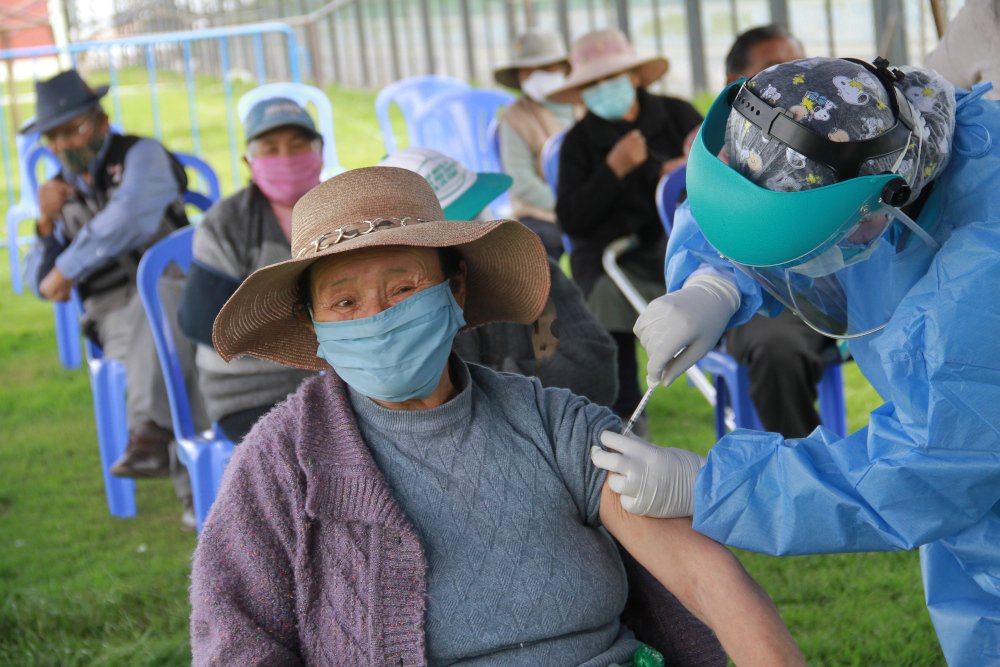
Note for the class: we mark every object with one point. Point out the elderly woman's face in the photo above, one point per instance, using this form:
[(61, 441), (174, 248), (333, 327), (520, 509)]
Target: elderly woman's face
[(365, 282)]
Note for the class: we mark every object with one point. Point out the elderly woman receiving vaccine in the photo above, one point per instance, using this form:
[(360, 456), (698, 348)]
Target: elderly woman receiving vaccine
[(409, 508)]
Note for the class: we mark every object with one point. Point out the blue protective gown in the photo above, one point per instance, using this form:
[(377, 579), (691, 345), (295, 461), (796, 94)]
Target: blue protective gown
[(925, 471)]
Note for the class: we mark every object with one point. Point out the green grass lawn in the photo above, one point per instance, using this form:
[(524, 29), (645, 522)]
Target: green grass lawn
[(78, 587)]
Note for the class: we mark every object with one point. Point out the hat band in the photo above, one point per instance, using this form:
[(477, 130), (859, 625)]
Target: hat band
[(356, 229)]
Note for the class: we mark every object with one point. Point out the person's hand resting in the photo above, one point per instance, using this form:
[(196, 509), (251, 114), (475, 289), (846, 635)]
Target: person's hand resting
[(679, 328), (671, 165), (628, 154), (51, 196), (55, 286), (652, 481)]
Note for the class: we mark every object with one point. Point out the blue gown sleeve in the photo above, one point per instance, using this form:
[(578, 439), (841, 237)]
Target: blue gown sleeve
[(927, 465), (689, 252)]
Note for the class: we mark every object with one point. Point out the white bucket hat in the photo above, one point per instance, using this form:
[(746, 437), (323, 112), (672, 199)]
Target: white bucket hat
[(534, 48)]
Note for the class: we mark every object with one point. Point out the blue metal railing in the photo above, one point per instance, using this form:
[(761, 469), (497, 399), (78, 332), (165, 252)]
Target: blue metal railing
[(148, 46)]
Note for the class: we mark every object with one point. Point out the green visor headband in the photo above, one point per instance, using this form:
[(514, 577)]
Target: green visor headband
[(758, 227)]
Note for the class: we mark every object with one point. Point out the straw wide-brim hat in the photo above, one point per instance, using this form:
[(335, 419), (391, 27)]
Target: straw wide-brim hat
[(601, 54), (534, 48), (507, 278)]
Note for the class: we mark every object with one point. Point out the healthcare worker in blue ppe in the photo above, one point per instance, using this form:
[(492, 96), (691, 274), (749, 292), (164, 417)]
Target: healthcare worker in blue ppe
[(866, 199)]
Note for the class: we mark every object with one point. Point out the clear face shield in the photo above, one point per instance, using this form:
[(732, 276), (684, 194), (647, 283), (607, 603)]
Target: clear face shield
[(841, 289)]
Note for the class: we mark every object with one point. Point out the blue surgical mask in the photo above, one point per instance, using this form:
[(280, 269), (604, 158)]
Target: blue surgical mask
[(398, 354), (610, 99)]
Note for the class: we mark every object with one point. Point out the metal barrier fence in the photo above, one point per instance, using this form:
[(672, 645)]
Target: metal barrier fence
[(273, 48), (367, 44), (370, 43)]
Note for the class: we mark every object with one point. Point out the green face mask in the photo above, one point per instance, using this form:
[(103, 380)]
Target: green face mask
[(77, 160)]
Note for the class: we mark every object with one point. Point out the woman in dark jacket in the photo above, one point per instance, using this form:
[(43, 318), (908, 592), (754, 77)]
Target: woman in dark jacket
[(609, 166)]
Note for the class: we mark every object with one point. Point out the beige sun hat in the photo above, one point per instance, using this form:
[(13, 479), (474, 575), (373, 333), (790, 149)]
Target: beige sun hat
[(507, 279), (600, 54), (534, 48)]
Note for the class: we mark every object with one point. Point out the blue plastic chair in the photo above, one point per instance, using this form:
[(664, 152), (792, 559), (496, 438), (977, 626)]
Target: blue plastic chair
[(411, 95), (457, 125), (208, 192), (668, 195), (501, 206), (30, 153), (550, 160), (732, 386), (303, 95), (731, 378), (462, 124), (204, 454), (550, 171), (107, 386), (65, 314)]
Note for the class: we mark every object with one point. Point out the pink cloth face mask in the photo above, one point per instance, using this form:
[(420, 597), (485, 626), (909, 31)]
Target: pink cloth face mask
[(285, 178)]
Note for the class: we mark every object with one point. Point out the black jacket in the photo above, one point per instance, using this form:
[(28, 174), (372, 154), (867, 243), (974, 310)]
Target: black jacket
[(595, 208)]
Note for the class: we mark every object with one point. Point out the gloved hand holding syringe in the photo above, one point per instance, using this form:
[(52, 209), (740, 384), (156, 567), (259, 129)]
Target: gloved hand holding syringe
[(677, 329)]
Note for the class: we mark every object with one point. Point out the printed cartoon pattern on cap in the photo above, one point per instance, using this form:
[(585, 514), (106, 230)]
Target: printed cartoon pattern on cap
[(843, 101)]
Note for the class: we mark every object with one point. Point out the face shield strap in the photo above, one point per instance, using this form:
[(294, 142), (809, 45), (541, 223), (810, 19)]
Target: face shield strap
[(844, 157)]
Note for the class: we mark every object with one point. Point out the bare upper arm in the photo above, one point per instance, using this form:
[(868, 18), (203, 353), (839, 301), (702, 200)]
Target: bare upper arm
[(708, 580)]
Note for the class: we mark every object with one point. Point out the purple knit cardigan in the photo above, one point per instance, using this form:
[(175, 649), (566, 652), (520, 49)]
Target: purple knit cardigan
[(306, 558)]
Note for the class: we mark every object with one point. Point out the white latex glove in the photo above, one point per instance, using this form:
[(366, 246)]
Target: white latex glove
[(679, 328), (653, 481)]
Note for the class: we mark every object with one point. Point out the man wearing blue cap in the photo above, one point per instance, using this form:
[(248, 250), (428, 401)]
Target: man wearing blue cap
[(115, 196), (240, 234)]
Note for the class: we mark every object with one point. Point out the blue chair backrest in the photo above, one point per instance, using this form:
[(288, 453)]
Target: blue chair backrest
[(174, 249), (30, 183), (203, 199), (411, 95), (26, 144), (668, 194), (501, 206), (550, 160), (457, 125), (303, 95), (550, 171), (33, 153)]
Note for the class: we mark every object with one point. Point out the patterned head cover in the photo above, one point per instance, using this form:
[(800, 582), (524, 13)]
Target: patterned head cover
[(843, 101)]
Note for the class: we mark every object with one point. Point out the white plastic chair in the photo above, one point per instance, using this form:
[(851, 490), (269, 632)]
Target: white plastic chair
[(303, 95)]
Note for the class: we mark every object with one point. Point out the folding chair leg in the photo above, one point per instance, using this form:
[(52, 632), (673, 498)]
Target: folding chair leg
[(107, 380)]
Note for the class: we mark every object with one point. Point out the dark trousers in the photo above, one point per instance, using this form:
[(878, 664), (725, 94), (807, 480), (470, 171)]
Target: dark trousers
[(629, 393), (785, 359), (238, 424), (549, 233)]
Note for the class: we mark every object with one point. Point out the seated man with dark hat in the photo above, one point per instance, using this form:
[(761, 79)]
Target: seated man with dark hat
[(114, 197)]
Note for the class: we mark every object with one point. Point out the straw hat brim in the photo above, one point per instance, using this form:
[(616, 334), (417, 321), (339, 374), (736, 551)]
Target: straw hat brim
[(507, 281), (649, 69), (508, 74)]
